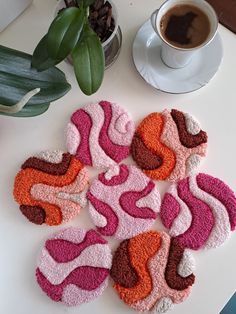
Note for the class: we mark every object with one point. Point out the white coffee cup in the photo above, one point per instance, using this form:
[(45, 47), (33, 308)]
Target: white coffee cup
[(176, 57)]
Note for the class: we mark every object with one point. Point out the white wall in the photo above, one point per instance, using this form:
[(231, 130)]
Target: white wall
[(10, 9)]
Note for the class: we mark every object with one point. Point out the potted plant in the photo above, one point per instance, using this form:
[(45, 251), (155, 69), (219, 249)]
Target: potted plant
[(79, 30)]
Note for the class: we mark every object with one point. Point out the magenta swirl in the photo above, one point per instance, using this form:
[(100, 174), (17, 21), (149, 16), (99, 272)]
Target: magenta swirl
[(73, 266), (100, 134), (200, 211), (123, 202)]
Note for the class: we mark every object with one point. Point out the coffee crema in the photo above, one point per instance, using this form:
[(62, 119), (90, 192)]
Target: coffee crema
[(185, 26)]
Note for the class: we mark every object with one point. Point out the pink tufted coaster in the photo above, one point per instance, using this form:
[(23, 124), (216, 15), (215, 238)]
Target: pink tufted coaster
[(100, 134), (123, 202), (199, 211), (73, 266), (152, 272)]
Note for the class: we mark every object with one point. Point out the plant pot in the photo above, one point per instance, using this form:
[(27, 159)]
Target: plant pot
[(112, 45), (10, 10)]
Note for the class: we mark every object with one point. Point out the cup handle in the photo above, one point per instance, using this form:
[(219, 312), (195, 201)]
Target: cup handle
[(153, 19)]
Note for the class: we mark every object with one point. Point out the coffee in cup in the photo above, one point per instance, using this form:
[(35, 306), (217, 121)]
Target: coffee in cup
[(185, 26)]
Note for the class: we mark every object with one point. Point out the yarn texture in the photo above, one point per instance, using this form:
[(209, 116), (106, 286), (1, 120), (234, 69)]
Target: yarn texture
[(123, 202), (100, 135), (199, 211), (168, 145), (73, 266), (50, 188), (146, 274)]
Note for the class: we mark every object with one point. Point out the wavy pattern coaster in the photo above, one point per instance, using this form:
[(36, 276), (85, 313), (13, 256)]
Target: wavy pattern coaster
[(168, 145), (73, 266), (200, 211), (51, 187), (123, 202), (100, 134), (152, 272)]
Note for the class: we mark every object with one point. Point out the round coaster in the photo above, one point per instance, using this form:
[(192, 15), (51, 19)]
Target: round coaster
[(152, 272), (73, 266), (199, 211), (100, 134), (123, 202), (51, 187), (168, 145)]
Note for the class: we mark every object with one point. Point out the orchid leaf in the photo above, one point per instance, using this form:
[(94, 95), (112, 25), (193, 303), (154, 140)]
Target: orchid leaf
[(87, 3), (18, 78), (88, 60), (64, 33), (28, 111), (41, 60)]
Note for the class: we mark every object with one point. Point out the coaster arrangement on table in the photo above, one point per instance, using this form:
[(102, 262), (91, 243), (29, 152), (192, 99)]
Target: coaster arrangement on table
[(152, 270)]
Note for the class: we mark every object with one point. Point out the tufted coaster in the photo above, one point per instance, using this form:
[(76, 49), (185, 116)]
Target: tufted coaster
[(73, 266), (51, 187), (199, 211), (152, 272), (100, 134), (123, 202), (168, 145)]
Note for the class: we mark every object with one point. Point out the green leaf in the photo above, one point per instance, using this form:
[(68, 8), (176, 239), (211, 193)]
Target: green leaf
[(41, 60), (64, 33), (89, 63), (79, 2), (87, 3), (17, 78), (84, 3), (20, 105), (29, 111)]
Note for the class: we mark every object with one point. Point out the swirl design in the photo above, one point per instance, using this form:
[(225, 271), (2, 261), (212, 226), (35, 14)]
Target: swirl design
[(168, 145), (147, 273), (50, 188), (123, 202), (100, 134), (73, 266), (200, 211)]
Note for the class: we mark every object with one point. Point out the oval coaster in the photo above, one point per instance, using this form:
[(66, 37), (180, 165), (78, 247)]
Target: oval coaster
[(51, 187), (73, 266)]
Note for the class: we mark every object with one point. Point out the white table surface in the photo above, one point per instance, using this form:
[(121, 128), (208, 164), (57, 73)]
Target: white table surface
[(214, 105)]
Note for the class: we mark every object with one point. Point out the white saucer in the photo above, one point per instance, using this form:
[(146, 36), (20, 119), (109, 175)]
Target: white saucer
[(146, 56)]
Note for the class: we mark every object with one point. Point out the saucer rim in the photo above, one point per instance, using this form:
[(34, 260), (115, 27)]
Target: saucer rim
[(168, 90)]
